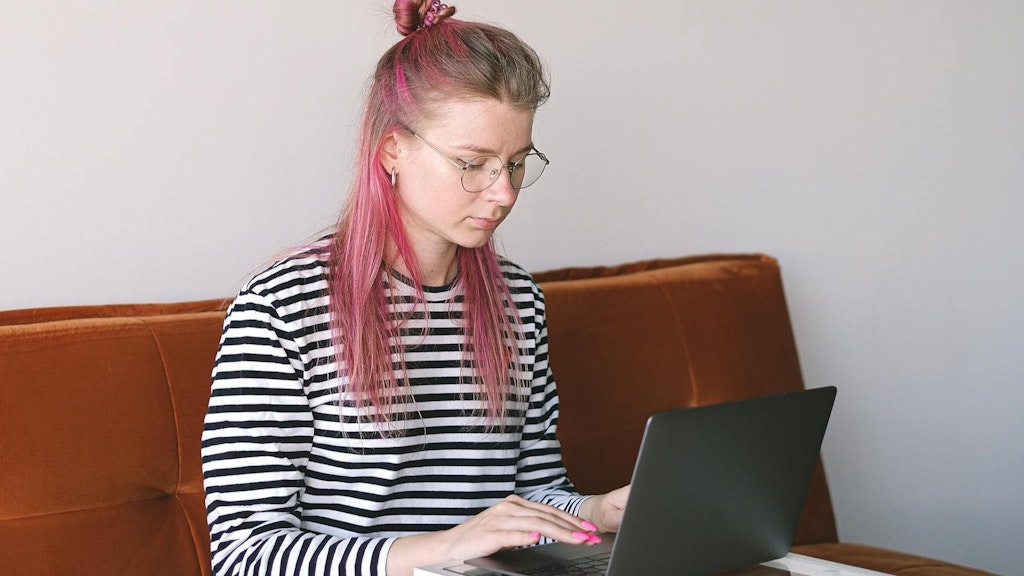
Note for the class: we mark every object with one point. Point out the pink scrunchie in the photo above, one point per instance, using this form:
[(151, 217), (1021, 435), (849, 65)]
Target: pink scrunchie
[(432, 16), (413, 15)]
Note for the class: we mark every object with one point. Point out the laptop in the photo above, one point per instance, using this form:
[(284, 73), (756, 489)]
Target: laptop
[(716, 488)]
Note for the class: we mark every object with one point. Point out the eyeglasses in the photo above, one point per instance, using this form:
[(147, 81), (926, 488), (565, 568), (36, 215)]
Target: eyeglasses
[(479, 173)]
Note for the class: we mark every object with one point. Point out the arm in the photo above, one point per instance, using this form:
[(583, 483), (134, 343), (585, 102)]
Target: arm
[(541, 477), (541, 463), (256, 443), (511, 523), (603, 511)]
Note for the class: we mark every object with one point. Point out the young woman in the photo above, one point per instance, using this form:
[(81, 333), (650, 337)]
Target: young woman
[(382, 398)]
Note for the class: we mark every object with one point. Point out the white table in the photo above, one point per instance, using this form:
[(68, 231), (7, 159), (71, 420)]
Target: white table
[(795, 563), (800, 564)]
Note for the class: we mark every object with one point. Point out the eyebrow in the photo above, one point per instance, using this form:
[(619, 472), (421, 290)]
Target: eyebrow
[(489, 152)]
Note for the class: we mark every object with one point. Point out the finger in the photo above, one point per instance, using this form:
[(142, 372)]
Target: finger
[(527, 507), (559, 532), (525, 521), (472, 543), (518, 514)]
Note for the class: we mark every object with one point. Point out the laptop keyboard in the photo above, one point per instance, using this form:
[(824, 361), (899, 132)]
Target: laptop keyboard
[(596, 565)]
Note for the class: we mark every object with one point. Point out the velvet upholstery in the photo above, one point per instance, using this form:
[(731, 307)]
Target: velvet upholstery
[(100, 421), (101, 408)]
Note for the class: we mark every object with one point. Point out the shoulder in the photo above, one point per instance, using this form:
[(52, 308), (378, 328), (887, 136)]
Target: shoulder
[(518, 280), (514, 273), (300, 274)]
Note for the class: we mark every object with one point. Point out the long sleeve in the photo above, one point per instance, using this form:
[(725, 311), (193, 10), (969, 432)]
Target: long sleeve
[(256, 446), (540, 475)]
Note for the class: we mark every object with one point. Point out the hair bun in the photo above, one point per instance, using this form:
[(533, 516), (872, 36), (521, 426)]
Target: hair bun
[(411, 15)]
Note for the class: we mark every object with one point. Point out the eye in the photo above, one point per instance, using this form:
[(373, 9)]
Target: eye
[(476, 164)]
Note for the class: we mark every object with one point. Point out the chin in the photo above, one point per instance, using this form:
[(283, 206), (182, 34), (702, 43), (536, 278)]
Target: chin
[(474, 241)]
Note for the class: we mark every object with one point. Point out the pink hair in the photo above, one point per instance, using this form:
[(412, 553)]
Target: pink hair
[(450, 59)]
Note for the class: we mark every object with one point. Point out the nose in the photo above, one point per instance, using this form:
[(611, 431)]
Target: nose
[(501, 190)]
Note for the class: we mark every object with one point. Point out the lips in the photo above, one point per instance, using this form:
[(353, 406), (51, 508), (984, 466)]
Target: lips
[(486, 223)]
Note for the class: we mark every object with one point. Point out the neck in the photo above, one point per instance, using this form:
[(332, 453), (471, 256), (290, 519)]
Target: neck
[(436, 268)]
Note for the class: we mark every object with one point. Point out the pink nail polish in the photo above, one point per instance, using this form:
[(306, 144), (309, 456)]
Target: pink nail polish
[(589, 526), (534, 535), (594, 538), (581, 535)]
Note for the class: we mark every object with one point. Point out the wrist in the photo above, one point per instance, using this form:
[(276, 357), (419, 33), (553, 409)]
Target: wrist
[(588, 511), (408, 552)]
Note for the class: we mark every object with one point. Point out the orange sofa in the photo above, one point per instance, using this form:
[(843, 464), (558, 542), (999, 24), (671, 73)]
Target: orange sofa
[(101, 408)]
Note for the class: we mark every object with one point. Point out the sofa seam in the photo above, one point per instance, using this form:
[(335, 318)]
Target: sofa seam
[(174, 405), (92, 338), (87, 509), (682, 335), (193, 529)]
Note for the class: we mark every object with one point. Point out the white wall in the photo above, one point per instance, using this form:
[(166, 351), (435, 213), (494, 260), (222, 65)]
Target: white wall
[(159, 150)]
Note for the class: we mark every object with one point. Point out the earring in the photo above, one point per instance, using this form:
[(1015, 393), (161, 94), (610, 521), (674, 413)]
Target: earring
[(394, 176)]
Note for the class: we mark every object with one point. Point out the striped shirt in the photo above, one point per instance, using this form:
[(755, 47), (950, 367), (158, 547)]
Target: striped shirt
[(300, 482)]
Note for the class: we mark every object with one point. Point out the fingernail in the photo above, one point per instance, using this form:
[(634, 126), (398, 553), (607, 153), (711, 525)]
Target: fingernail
[(594, 538), (534, 535), (581, 535), (589, 526)]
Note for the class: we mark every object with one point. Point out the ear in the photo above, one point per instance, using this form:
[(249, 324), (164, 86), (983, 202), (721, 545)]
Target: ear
[(389, 149)]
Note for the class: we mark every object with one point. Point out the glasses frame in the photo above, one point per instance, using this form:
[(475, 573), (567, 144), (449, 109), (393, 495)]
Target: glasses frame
[(508, 166)]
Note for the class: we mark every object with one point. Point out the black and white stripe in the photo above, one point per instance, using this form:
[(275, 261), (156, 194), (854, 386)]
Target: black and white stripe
[(300, 482)]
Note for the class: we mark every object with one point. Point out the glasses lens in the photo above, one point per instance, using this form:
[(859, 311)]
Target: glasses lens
[(481, 172), (528, 170)]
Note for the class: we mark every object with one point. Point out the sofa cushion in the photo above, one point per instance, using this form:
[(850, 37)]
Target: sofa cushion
[(100, 421)]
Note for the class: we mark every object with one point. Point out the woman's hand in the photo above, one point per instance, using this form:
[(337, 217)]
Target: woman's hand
[(605, 511), (511, 523), (515, 522)]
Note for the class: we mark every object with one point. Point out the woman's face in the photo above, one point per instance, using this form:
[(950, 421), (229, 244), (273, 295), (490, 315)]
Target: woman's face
[(437, 211)]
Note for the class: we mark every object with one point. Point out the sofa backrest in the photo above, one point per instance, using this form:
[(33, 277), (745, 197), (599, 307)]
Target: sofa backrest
[(627, 341), (100, 422), (101, 407)]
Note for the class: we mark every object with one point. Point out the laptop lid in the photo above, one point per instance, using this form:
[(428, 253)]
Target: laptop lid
[(715, 488)]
